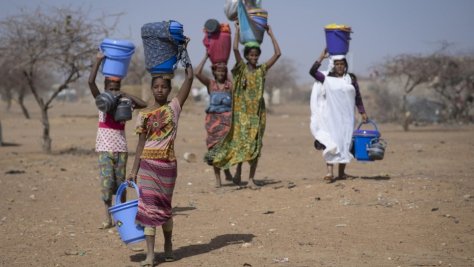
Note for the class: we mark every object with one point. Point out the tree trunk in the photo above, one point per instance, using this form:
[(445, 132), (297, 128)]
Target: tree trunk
[(1, 137), (23, 107), (406, 116), (46, 137), (9, 104)]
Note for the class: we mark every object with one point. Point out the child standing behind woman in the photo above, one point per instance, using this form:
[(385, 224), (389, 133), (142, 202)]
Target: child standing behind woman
[(155, 161), (244, 142), (111, 143), (219, 112)]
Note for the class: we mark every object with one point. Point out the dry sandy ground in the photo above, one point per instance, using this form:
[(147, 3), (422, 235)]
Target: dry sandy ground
[(414, 208)]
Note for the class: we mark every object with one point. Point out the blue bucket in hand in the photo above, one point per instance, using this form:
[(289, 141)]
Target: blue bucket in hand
[(361, 141), (337, 41), (118, 54), (124, 216), (166, 67)]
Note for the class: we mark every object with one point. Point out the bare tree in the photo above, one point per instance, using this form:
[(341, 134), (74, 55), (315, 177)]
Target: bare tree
[(62, 41), (413, 71), (282, 75), (454, 83)]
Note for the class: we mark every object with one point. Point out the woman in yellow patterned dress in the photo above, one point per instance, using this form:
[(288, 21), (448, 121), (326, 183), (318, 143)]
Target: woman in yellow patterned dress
[(244, 141)]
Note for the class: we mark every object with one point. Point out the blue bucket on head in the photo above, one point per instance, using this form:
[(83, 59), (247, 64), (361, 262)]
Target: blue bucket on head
[(176, 31), (361, 141), (337, 41), (118, 54), (166, 67), (124, 216)]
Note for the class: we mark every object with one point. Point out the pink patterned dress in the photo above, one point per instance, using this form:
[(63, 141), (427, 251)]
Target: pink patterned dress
[(158, 167)]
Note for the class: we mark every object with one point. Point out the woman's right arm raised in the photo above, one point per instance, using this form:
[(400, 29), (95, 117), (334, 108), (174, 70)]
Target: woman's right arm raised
[(92, 76), (201, 77)]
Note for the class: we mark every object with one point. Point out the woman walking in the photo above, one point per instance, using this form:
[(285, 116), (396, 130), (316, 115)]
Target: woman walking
[(334, 97), (244, 141)]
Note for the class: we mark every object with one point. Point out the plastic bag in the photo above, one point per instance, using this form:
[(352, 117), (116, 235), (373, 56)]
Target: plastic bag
[(248, 30), (230, 9), (253, 4)]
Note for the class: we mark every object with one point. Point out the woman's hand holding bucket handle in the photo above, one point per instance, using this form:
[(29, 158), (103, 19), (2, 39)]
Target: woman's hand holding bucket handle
[(132, 177)]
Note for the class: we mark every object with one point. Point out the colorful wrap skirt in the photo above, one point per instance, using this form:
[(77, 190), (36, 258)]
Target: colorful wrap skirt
[(217, 127), (156, 186)]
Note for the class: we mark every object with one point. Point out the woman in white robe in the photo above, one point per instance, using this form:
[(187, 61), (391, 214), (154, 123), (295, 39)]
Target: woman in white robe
[(334, 97)]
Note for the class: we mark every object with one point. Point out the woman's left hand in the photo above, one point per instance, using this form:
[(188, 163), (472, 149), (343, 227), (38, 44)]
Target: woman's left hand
[(365, 118)]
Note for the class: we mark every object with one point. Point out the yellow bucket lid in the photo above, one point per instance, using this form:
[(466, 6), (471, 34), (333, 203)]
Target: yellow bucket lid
[(341, 27)]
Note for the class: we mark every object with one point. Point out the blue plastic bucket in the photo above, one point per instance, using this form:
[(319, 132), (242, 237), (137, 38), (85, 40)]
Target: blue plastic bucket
[(176, 31), (118, 54), (337, 41), (124, 217), (361, 141), (166, 67)]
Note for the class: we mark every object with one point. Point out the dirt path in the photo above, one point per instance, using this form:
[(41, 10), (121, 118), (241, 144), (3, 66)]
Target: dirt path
[(414, 208)]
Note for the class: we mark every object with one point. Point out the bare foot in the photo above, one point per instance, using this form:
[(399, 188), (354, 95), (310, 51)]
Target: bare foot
[(257, 182), (169, 256), (218, 183), (236, 180), (228, 176)]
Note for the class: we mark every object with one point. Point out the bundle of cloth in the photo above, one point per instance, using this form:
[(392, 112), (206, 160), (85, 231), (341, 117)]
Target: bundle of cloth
[(217, 40), (164, 47), (252, 19)]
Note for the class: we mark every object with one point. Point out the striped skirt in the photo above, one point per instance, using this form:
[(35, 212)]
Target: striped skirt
[(157, 180)]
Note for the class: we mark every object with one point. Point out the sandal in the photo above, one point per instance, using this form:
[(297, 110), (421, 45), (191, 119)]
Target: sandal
[(329, 178), (169, 256), (106, 225), (146, 263)]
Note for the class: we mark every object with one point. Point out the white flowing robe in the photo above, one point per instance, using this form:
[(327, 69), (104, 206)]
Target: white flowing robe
[(332, 117)]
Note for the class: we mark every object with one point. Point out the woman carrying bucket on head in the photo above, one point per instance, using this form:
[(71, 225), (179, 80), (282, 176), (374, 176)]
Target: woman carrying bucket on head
[(111, 143), (155, 162), (334, 97), (244, 143), (219, 111)]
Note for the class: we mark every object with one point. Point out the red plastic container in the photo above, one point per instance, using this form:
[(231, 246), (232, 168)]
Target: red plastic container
[(218, 44)]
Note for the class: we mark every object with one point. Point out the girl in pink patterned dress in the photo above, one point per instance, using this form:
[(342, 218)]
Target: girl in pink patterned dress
[(110, 143), (155, 161)]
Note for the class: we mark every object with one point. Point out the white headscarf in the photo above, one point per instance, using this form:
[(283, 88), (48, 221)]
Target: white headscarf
[(332, 59)]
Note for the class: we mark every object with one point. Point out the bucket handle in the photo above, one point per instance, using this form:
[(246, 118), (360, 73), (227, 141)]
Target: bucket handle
[(368, 121), (125, 56), (123, 186)]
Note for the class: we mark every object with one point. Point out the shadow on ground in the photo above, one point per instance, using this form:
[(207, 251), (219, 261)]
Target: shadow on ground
[(198, 249), (376, 177)]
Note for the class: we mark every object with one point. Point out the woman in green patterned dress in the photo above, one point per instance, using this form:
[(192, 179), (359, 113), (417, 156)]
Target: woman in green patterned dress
[(243, 143)]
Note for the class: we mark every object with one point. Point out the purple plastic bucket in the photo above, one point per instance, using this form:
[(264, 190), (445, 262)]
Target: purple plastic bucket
[(337, 41)]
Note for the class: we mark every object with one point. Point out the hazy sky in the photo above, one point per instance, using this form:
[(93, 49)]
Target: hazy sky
[(382, 28)]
